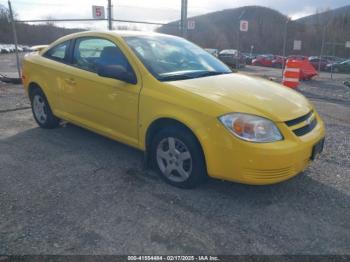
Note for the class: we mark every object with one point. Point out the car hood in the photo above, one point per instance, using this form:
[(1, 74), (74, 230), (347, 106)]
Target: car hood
[(265, 97)]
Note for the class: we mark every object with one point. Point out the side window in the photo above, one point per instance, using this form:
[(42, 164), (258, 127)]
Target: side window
[(58, 52), (89, 53)]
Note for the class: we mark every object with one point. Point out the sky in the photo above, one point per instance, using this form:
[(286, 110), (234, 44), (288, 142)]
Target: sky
[(154, 10)]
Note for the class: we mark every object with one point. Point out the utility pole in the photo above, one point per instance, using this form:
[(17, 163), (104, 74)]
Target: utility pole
[(109, 9), (238, 39), (285, 44), (184, 18), (15, 39), (333, 57), (322, 48), (325, 27)]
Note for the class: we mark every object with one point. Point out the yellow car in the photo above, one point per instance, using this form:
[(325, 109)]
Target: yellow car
[(184, 108)]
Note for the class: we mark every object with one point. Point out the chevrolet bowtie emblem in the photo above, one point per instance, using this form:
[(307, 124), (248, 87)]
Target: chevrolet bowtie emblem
[(308, 121)]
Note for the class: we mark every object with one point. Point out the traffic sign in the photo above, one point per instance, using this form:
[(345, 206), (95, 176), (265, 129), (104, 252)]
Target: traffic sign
[(297, 45), (98, 12), (191, 24), (243, 26), (347, 44)]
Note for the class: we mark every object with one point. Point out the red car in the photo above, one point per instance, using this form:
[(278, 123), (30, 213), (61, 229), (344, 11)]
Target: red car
[(263, 60), (297, 57), (278, 61)]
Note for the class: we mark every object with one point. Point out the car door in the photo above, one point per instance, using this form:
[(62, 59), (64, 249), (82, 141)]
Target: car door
[(347, 67), (52, 70), (105, 105)]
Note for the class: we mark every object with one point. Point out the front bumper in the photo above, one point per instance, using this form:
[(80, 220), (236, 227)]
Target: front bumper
[(230, 158)]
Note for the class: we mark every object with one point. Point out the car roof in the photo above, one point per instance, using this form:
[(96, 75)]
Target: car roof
[(115, 33), (228, 51), (101, 33)]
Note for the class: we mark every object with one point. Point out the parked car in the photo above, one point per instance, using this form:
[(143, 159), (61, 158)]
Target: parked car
[(343, 67), (26, 48), (37, 48), (278, 61), (334, 59), (5, 49), (2, 49), (171, 99), (213, 51), (249, 58), (316, 61), (232, 58), (10, 48), (298, 57), (263, 60)]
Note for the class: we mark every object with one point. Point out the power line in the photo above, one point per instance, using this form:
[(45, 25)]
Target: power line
[(88, 19)]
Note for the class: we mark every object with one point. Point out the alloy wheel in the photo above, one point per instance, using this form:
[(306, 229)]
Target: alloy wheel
[(174, 159), (39, 108)]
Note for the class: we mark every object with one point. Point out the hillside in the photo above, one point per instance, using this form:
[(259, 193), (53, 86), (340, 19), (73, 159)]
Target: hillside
[(220, 29), (326, 16), (266, 29), (30, 34)]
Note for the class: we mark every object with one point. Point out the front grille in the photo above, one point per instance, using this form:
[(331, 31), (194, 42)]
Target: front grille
[(306, 129), (298, 120), (295, 124)]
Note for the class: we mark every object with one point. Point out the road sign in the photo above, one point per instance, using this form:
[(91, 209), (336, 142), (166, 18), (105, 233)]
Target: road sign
[(98, 12), (191, 24), (347, 44), (297, 45), (243, 26)]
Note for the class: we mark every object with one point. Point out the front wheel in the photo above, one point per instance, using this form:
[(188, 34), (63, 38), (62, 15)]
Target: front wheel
[(178, 157), (42, 111)]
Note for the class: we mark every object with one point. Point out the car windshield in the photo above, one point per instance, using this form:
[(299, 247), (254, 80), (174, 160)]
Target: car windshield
[(171, 58)]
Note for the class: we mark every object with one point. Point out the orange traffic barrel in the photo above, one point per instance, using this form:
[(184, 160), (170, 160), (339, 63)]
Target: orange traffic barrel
[(291, 74)]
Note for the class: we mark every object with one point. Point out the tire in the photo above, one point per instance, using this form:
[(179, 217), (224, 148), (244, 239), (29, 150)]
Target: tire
[(41, 110), (171, 144)]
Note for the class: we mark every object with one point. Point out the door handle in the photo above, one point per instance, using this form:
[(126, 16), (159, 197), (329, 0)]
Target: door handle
[(70, 81)]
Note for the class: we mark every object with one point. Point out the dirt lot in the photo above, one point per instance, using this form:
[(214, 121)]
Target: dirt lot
[(8, 64), (70, 191)]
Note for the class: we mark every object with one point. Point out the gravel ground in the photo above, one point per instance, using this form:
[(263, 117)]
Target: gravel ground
[(321, 87), (12, 98), (8, 64), (70, 191), (326, 90)]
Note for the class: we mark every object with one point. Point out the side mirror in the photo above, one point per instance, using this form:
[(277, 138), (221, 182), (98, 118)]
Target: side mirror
[(117, 72)]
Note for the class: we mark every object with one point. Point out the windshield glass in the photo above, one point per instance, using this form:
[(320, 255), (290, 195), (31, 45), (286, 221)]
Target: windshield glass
[(171, 58)]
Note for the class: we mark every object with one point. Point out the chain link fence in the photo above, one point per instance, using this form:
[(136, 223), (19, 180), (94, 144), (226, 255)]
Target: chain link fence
[(270, 36)]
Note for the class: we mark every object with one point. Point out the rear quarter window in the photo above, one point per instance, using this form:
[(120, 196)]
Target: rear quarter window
[(58, 52)]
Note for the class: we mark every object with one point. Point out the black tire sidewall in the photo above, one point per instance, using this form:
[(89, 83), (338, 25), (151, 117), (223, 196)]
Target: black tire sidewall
[(51, 120), (198, 174)]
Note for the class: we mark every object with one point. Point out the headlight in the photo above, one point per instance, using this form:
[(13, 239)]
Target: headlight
[(251, 128)]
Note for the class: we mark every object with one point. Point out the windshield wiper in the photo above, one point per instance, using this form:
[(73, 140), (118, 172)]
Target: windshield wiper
[(175, 77), (210, 73), (191, 75)]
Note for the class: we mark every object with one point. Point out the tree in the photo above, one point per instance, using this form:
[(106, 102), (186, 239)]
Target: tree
[(5, 28)]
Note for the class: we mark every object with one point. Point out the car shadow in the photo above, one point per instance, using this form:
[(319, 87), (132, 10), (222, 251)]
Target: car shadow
[(77, 185)]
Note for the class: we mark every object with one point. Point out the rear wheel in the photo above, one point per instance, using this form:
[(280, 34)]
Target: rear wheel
[(41, 110), (178, 157)]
